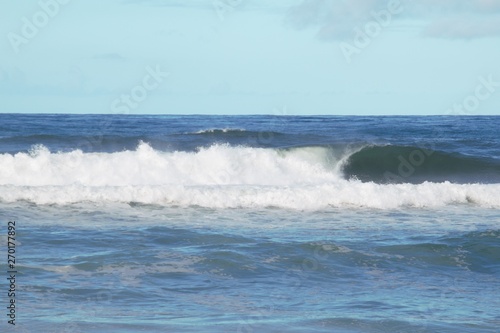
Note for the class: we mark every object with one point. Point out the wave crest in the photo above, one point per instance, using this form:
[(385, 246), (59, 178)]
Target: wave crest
[(215, 165), (222, 176)]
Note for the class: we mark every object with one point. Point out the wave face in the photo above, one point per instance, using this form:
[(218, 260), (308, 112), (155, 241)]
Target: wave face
[(388, 164), (224, 176)]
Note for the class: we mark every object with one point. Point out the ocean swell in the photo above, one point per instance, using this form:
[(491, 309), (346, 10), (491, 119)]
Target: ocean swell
[(223, 176)]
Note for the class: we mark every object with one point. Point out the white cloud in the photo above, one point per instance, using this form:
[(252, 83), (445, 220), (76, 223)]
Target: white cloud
[(336, 19), (464, 27)]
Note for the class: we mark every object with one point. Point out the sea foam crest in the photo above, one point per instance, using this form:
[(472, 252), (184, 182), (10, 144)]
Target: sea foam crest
[(219, 130), (216, 165), (218, 177)]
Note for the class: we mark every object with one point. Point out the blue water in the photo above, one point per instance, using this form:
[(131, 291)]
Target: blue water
[(252, 223)]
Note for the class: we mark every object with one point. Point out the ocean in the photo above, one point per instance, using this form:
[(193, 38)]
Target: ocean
[(164, 223)]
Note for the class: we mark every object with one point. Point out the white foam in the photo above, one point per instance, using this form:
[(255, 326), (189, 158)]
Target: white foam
[(217, 165), (219, 177), (223, 130)]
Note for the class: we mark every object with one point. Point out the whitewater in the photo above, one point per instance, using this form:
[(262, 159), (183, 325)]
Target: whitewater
[(220, 176), (128, 223)]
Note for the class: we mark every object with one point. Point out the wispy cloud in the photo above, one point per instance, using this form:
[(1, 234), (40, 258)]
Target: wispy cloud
[(464, 27), (336, 19)]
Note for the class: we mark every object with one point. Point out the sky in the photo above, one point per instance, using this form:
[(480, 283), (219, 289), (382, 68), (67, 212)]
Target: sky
[(281, 57)]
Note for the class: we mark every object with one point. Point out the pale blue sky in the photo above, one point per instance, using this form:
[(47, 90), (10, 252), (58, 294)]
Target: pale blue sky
[(250, 56)]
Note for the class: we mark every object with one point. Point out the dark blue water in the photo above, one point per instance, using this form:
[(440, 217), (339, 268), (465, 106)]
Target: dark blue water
[(460, 149), (252, 223)]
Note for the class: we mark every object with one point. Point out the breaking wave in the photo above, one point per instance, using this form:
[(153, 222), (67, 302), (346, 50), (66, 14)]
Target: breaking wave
[(223, 176)]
